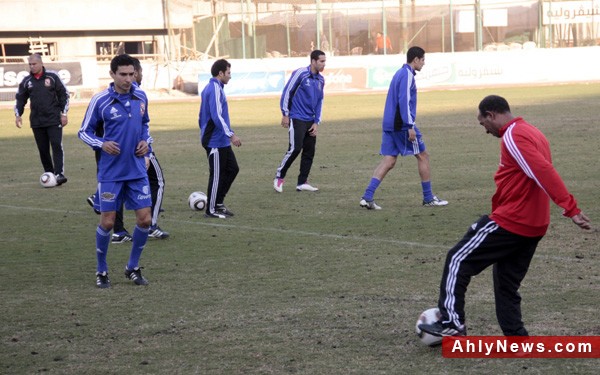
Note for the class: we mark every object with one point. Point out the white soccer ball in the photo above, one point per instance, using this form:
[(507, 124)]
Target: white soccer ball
[(428, 316), (48, 180), (197, 201)]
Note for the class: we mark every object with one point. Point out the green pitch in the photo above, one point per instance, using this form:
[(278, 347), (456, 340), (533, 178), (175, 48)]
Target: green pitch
[(299, 283)]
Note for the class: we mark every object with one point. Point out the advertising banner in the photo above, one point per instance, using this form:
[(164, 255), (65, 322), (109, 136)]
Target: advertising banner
[(249, 83), (12, 74)]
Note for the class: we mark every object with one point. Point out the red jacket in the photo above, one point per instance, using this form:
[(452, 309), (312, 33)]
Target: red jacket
[(526, 181)]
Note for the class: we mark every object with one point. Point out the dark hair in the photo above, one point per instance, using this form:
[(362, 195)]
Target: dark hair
[(219, 66), (493, 103), (137, 66), (121, 60), (414, 53), (314, 55)]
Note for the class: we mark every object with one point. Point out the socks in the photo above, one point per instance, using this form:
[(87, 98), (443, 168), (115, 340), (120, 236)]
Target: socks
[(370, 192), (102, 241), (140, 237), (427, 193)]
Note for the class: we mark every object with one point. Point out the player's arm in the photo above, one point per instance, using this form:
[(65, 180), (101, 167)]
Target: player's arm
[(87, 132), (62, 94), (537, 167), (288, 92), (403, 90), (20, 100), (216, 110)]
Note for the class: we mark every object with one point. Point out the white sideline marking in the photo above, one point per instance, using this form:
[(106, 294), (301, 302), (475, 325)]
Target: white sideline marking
[(250, 228), (289, 231)]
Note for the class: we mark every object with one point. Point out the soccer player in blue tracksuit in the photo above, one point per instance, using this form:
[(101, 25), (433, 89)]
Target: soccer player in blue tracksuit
[(301, 103), (400, 135), (216, 137), (122, 109)]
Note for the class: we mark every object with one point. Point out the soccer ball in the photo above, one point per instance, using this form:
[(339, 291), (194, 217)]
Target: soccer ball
[(48, 180), (197, 201), (428, 316)]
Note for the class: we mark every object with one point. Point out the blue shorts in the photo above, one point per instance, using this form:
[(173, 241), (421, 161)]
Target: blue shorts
[(394, 143), (134, 193)]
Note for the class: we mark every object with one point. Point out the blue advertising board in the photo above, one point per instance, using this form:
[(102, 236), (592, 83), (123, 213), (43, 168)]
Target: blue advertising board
[(249, 83)]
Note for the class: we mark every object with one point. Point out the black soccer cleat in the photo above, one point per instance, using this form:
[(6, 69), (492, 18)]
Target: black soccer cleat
[(135, 275), (102, 280), (440, 329), (156, 232), (121, 238), (90, 201), (60, 179), (223, 210)]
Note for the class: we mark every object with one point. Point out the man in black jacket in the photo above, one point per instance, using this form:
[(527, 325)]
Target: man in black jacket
[(49, 106)]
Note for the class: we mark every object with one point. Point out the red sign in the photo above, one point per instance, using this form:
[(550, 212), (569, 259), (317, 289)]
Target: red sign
[(521, 347)]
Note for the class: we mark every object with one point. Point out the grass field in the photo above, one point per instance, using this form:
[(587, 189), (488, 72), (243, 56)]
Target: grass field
[(295, 283)]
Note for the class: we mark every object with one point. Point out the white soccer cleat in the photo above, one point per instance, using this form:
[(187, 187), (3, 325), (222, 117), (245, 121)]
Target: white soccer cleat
[(435, 202), (306, 187), (370, 205), (278, 185)]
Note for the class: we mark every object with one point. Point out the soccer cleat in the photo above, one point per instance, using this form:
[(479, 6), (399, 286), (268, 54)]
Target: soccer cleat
[(102, 280), (306, 187), (440, 329), (369, 205), (223, 210), (90, 201), (215, 215), (135, 275), (156, 232), (121, 237), (278, 185), (60, 179), (435, 201)]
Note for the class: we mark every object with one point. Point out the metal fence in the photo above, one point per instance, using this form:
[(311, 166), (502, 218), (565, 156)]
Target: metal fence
[(249, 29)]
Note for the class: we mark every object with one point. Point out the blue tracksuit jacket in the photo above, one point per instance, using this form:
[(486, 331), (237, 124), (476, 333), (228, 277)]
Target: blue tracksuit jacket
[(215, 127), (401, 103), (125, 120), (302, 96)]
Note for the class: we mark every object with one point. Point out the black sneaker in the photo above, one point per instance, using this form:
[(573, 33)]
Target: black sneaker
[(215, 215), (121, 238), (440, 329), (90, 201), (222, 209), (60, 179), (156, 232), (102, 280), (135, 275)]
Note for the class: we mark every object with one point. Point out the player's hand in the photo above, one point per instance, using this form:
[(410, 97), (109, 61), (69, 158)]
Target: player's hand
[(412, 135), (147, 160), (18, 121), (111, 147), (285, 121), (236, 141), (141, 149), (582, 221), (313, 130), (64, 120)]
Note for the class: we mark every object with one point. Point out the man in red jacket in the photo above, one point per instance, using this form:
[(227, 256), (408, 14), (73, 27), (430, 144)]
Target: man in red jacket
[(506, 239)]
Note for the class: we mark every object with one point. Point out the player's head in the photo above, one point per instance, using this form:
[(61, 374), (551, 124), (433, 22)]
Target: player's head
[(415, 56), (317, 61), (35, 63), (494, 113), (493, 103), (221, 70), (137, 67), (122, 72), (121, 60)]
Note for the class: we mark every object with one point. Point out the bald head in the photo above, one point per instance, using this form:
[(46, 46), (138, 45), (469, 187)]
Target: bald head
[(35, 63)]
